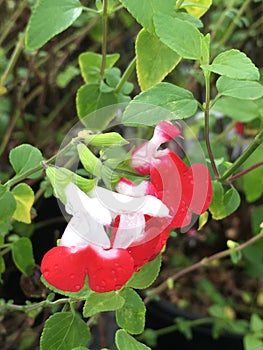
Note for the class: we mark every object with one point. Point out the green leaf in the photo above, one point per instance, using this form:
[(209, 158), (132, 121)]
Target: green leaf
[(144, 10), (233, 64), (181, 36), (164, 101), (90, 162), (126, 342), (235, 108), (24, 197), (65, 77), (2, 268), (90, 63), (249, 180), (90, 99), (25, 157), (252, 342), (64, 331), (61, 177), (203, 218), (256, 323), (101, 302), (223, 203), (184, 327), (22, 253), (131, 316), (197, 8), (7, 204), (147, 274), (50, 18), (241, 89), (151, 71)]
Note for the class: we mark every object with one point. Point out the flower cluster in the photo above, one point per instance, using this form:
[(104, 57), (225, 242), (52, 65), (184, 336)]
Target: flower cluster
[(112, 234)]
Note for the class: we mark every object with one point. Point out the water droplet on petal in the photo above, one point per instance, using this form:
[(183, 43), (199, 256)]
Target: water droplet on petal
[(77, 287)]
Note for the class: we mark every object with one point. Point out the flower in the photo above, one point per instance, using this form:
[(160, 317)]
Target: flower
[(91, 247), (112, 234)]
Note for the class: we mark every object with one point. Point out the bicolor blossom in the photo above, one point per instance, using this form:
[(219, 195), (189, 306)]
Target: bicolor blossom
[(111, 235)]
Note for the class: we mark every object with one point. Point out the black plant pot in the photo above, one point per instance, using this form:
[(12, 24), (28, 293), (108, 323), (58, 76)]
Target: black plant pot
[(163, 313)]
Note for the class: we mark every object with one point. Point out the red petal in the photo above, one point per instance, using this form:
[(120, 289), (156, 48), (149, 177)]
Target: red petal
[(64, 269), (109, 269)]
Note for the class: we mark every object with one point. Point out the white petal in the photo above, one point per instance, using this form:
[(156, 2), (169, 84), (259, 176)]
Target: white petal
[(78, 201), (130, 229), (119, 203), (83, 230)]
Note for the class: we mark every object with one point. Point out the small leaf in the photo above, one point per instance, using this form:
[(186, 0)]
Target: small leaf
[(50, 18), (65, 77), (90, 101), (164, 101), (24, 197), (252, 342), (101, 302), (64, 331), (197, 8), (126, 342), (241, 89), (147, 274), (182, 37), (131, 316), (144, 10), (22, 253), (202, 220), (24, 158), (233, 64), (7, 204), (90, 63), (151, 71), (103, 140), (223, 203)]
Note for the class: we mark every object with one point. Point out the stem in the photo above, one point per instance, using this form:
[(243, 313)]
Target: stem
[(126, 75), (206, 113), (222, 18), (15, 55), (233, 24), (252, 167), (104, 36), (178, 4), (204, 262), (44, 303), (251, 148)]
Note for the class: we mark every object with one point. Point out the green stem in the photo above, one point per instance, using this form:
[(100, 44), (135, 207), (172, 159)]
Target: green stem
[(126, 75), (44, 303), (251, 148), (104, 36), (12, 62), (206, 113), (233, 24), (178, 4), (204, 262), (18, 178)]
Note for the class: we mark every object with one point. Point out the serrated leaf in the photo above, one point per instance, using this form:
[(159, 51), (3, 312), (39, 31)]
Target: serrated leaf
[(101, 302), (50, 18), (24, 196), (147, 274), (235, 108), (131, 316), (24, 158), (151, 71), (144, 10), (126, 342), (90, 63), (164, 101), (197, 8), (241, 89), (181, 36), (64, 331), (233, 64), (22, 253), (7, 204), (223, 203), (90, 101)]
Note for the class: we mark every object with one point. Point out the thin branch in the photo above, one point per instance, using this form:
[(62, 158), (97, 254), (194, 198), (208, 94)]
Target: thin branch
[(104, 36), (252, 167)]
